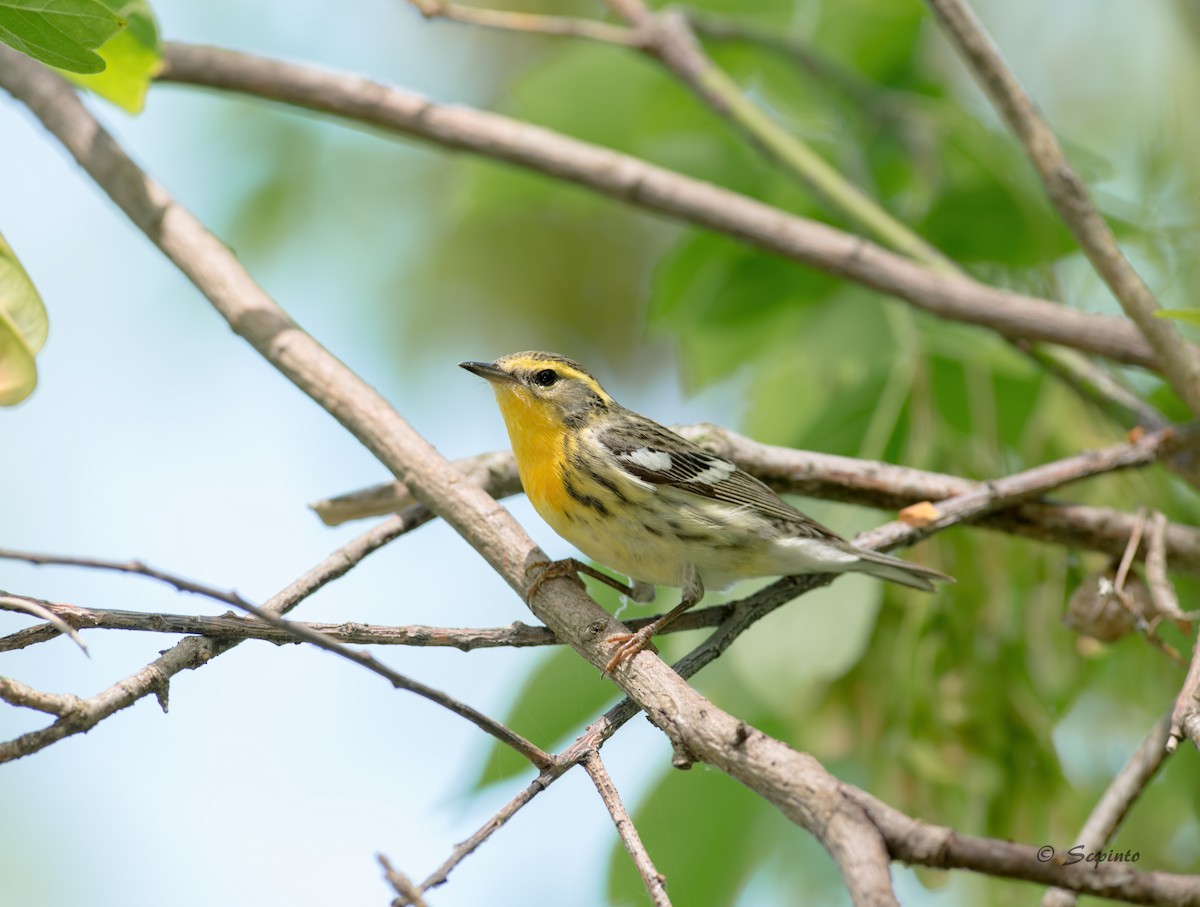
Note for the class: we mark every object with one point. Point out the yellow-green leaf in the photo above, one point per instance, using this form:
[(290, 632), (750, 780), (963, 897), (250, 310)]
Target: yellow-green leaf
[(23, 328), (1192, 315), (134, 58)]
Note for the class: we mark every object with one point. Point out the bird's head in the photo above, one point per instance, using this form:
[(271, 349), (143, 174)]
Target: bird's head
[(540, 390)]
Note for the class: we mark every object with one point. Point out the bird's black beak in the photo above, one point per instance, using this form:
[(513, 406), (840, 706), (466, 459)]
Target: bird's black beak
[(487, 370)]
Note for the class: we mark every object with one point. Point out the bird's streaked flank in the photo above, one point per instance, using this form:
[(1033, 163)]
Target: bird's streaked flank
[(640, 499)]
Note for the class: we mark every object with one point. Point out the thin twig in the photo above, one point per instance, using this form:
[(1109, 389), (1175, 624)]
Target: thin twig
[(1162, 592), (669, 38), (10, 602), (530, 23), (465, 848), (1069, 195), (137, 568), (655, 881), (489, 725), (195, 651), (231, 626), (656, 189), (16, 693), (1135, 539), (406, 891), (1185, 715), (1096, 385), (1147, 628), (1110, 810)]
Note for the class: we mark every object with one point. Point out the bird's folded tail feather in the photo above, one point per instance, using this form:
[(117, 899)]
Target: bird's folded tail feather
[(906, 573)]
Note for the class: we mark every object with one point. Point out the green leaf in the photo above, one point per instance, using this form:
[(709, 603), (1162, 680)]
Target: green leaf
[(562, 694), (699, 826), (1192, 315), (23, 329), (62, 33), (134, 58)]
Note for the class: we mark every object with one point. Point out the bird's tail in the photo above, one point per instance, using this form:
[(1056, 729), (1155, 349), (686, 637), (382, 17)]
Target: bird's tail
[(895, 570)]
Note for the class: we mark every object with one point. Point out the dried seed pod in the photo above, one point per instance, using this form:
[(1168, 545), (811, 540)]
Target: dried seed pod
[(1096, 610)]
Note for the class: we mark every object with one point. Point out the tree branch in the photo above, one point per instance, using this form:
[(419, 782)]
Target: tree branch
[(303, 633), (530, 23), (853, 827), (16, 693), (407, 894), (1110, 811), (668, 36), (235, 627), (924, 844), (1185, 716), (195, 651), (38, 608), (655, 881), (1068, 193), (660, 191), (882, 485)]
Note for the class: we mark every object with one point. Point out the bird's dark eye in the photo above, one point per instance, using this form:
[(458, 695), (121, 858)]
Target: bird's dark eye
[(545, 377)]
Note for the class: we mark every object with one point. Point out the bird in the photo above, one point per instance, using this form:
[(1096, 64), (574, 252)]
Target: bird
[(645, 502)]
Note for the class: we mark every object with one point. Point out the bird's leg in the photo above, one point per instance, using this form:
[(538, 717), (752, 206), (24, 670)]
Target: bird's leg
[(569, 566), (629, 644)]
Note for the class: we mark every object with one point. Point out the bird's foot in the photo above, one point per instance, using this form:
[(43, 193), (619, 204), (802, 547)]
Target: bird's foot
[(628, 645), (570, 566)]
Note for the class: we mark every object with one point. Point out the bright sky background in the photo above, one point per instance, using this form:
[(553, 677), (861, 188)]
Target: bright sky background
[(156, 434)]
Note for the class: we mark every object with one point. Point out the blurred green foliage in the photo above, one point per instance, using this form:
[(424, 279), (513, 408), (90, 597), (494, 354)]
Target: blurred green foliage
[(976, 708)]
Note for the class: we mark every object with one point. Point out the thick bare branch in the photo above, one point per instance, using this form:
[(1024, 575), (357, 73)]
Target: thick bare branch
[(1069, 195), (936, 846), (661, 191)]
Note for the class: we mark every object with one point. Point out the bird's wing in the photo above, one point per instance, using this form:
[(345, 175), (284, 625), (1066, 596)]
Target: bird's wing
[(654, 454)]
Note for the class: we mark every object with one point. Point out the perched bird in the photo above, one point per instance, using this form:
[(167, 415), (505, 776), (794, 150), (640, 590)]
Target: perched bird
[(644, 501)]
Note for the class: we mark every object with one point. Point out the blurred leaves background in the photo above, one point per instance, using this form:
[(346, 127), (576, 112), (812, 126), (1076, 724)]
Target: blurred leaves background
[(976, 708)]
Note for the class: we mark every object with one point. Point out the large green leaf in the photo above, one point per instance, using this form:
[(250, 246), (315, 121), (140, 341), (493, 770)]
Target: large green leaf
[(134, 57), (62, 33), (23, 328)]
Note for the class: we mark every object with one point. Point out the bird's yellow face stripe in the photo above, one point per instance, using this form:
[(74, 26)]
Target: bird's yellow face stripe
[(528, 363)]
